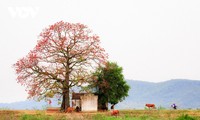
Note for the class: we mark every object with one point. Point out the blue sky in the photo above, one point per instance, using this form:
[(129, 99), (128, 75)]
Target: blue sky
[(153, 40)]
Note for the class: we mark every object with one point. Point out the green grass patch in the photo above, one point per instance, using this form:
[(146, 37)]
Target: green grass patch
[(41, 117), (186, 117), (125, 117)]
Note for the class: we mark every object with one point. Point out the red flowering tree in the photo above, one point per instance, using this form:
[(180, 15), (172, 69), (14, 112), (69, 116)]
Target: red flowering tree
[(65, 56)]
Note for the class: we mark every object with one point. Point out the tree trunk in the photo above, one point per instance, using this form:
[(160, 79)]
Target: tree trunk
[(65, 101)]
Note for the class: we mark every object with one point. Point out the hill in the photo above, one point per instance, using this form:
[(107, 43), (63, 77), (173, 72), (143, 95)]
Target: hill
[(185, 93), (27, 105)]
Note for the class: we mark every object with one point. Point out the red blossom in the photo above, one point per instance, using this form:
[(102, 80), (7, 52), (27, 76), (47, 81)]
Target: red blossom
[(64, 50)]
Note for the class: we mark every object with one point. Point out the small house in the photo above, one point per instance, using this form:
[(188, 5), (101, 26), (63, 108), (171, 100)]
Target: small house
[(85, 101)]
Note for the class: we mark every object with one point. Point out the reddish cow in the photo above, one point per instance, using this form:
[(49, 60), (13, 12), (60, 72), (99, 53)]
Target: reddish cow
[(70, 110), (115, 112), (150, 106)]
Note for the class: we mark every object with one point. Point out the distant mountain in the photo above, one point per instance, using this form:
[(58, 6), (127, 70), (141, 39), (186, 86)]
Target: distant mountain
[(27, 105), (184, 93)]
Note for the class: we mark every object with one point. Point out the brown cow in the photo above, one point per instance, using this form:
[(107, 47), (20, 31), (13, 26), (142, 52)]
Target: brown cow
[(115, 112), (70, 110), (150, 106)]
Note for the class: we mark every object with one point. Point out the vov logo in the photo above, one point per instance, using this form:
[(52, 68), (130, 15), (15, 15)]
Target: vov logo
[(23, 12)]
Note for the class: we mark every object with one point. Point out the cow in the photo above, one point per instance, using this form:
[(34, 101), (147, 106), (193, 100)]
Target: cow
[(151, 106), (115, 112), (69, 110), (174, 106)]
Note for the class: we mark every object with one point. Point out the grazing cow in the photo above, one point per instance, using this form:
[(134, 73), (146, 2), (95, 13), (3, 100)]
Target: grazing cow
[(174, 106), (70, 110), (150, 106), (115, 112)]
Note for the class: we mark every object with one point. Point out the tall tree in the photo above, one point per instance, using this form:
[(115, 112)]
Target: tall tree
[(110, 84), (65, 56)]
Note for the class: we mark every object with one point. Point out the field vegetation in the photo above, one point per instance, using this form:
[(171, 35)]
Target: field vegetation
[(124, 115)]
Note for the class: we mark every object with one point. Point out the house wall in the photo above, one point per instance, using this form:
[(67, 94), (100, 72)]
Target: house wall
[(89, 102), (76, 103)]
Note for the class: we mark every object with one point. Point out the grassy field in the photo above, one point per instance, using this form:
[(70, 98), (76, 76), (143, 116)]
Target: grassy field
[(124, 115)]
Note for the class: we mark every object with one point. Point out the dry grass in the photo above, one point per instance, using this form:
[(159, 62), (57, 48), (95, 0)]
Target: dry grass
[(124, 114), (160, 114)]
